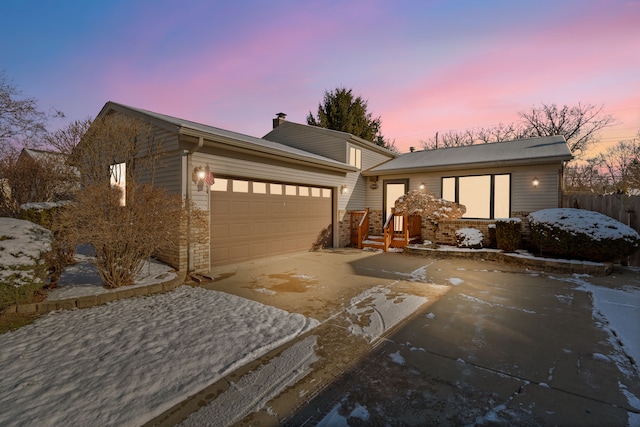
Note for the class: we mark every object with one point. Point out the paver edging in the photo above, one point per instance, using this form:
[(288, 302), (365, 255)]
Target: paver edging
[(546, 264), (95, 300)]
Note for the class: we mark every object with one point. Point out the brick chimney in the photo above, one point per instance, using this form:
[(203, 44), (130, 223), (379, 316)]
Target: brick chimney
[(279, 119)]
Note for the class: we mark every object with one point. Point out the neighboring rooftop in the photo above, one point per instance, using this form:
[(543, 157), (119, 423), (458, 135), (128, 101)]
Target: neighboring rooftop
[(532, 150)]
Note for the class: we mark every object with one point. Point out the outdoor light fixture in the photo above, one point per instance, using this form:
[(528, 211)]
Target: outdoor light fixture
[(535, 181), (344, 189), (423, 186), (198, 174)]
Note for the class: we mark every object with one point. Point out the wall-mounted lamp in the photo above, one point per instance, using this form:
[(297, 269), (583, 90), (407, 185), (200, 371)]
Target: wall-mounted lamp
[(423, 185), (373, 186), (535, 181), (344, 189), (198, 174)]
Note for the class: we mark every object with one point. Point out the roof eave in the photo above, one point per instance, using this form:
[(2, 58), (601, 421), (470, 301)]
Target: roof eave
[(477, 165), (245, 147)]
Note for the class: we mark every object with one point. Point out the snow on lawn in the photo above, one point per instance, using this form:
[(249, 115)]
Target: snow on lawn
[(81, 279), (126, 362), (21, 243)]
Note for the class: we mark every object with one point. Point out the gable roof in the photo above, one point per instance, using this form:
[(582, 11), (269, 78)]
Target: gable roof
[(286, 128), (232, 140), (546, 149)]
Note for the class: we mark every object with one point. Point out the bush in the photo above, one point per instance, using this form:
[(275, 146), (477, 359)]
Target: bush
[(508, 234), (582, 234), (62, 250), (22, 270), (470, 238)]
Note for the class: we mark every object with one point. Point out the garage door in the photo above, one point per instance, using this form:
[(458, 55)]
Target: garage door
[(251, 219)]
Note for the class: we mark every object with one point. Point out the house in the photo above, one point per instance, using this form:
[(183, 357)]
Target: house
[(497, 180), (299, 187)]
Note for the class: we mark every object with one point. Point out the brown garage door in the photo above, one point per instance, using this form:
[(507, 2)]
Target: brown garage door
[(251, 220)]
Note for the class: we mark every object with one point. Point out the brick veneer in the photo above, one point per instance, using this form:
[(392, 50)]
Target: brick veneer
[(445, 233)]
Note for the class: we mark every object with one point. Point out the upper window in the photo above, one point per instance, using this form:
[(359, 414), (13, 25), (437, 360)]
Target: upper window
[(484, 196), (355, 157), (117, 178)]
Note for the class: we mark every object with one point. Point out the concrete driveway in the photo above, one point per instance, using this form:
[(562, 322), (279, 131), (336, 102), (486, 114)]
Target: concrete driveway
[(416, 341)]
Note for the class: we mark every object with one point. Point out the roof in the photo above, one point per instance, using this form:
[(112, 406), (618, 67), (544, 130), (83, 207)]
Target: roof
[(233, 139), (547, 149), (344, 136)]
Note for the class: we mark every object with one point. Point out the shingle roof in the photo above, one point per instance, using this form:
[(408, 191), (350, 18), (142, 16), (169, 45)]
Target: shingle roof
[(235, 138), (522, 151)]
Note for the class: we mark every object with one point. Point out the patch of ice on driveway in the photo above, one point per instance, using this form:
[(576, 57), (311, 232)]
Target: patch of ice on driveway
[(397, 358), (376, 310), (494, 304), (334, 419), (455, 281), (256, 388)]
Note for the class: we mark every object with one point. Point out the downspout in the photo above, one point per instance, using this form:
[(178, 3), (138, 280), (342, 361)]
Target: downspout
[(187, 161)]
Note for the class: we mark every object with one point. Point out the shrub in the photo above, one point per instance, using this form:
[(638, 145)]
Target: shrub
[(62, 249), (470, 238), (582, 234), (22, 271), (492, 236), (508, 234)]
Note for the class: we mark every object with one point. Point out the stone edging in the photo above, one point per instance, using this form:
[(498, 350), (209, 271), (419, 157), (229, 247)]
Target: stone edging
[(545, 264), (95, 300)]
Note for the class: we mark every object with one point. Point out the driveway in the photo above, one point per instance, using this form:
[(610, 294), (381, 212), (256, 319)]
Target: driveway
[(414, 341)]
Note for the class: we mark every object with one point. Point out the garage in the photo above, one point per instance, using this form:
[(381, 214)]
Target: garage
[(254, 219)]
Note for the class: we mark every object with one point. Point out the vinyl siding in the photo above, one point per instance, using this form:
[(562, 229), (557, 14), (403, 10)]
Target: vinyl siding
[(524, 197), (300, 137)]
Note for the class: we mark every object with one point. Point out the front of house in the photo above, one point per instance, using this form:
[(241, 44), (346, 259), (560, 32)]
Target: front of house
[(295, 188)]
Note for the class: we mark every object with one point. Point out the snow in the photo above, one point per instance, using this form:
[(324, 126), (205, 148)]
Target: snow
[(397, 358), (469, 237), (377, 310), (334, 419), (593, 224), (255, 389), (142, 356), (455, 281), (618, 313), (21, 245)]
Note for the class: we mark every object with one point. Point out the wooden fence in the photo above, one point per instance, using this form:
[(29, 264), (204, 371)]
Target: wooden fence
[(623, 208)]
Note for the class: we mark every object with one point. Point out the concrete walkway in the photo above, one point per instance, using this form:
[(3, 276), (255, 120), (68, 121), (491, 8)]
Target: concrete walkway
[(488, 344)]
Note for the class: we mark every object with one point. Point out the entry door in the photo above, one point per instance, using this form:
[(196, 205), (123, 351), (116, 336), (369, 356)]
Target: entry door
[(392, 191)]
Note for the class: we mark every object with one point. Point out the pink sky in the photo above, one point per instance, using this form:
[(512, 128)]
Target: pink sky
[(424, 66)]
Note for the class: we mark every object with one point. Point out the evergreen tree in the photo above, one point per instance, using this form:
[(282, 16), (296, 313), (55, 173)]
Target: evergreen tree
[(342, 111)]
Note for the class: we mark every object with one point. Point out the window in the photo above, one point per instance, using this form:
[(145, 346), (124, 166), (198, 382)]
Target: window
[(118, 179), (355, 157), (484, 196)]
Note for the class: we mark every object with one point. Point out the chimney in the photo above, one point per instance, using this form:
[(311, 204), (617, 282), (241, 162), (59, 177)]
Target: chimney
[(279, 119)]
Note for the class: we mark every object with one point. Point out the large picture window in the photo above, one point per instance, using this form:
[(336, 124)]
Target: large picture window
[(484, 196)]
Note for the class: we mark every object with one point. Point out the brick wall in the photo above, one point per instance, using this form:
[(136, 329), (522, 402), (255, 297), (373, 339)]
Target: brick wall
[(446, 230), (344, 229)]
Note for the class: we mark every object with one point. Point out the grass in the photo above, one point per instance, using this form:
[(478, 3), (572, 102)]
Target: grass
[(13, 321)]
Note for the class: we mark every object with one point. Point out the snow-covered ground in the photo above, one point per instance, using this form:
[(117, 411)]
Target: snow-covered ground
[(128, 361)]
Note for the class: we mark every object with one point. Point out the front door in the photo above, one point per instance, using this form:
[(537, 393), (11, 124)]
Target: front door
[(393, 189)]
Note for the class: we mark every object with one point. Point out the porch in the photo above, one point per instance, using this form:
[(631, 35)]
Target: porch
[(398, 231)]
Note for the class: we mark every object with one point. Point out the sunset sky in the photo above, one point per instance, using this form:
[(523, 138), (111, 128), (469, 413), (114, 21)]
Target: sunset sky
[(423, 66)]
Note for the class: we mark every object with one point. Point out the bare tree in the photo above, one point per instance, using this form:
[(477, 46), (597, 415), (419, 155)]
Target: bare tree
[(66, 139), (578, 124), (622, 165), (585, 177), (21, 120), (34, 176)]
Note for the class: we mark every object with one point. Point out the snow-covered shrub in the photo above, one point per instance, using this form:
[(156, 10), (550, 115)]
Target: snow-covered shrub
[(582, 234), (470, 238), (508, 234), (23, 245)]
